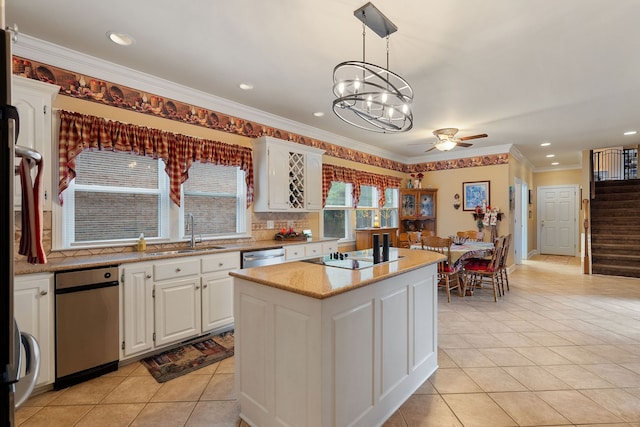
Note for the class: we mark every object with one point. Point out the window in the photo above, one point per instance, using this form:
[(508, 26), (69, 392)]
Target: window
[(116, 196), (215, 195), (340, 218), (337, 212), (368, 210)]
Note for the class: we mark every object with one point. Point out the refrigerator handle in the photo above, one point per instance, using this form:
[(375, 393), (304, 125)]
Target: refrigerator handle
[(25, 385)]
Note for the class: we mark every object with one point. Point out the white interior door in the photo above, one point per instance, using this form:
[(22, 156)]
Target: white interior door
[(557, 220)]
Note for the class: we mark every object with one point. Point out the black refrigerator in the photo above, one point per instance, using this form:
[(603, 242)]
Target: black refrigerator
[(18, 376)]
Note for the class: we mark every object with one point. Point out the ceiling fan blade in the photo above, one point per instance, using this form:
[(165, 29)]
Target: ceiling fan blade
[(465, 138), (432, 148), (463, 144)]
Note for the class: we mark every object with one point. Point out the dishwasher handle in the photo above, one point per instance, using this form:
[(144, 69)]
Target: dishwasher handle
[(261, 257), (87, 287)]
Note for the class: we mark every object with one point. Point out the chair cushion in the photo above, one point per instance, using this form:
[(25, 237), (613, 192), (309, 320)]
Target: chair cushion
[(478, 267)]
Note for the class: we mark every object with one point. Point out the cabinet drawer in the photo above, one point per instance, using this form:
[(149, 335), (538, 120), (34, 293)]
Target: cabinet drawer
[(313, 250), (218, 262), (174, 269), (330, 247), (294, 252)]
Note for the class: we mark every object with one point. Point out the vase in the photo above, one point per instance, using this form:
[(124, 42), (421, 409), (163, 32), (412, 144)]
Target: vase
[(415, 183), (419, 183)]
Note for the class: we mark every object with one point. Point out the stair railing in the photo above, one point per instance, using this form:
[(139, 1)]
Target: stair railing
[(614, 164)]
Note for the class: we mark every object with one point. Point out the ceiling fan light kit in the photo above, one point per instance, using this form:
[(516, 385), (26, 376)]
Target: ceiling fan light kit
[(369, 96), (446, 139)]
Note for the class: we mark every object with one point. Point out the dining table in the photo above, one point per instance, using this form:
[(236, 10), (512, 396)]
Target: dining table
[(460, 253)]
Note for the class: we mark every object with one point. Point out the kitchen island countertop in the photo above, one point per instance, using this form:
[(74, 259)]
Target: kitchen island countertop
[(320, 281)]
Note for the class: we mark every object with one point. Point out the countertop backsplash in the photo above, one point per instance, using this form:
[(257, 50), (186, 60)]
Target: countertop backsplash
[(260, 236)]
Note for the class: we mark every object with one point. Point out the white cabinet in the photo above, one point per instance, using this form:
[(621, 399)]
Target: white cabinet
[(136, 312), (217, 290), (172, 300), (33, 100), (309, 250), (177, 311), (33, 310), (288, 176)]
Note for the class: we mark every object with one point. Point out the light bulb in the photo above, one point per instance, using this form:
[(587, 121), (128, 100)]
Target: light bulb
[(390, 112), (341, 87), (369, 101), (356, 84), (384, 97), (405, 108)]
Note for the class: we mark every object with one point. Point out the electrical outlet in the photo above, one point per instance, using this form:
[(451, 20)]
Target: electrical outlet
[(270, 225), (290, 223)]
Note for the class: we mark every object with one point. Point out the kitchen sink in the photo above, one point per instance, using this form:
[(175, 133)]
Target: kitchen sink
[(187, 251)]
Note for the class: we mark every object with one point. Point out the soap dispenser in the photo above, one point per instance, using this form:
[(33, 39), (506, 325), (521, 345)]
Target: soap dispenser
[(142, 244)]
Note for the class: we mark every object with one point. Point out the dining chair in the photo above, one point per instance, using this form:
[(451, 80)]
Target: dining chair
[(472, 235), (504, 276), (478, 272), (414, 237), (403, 241), (448, 277)]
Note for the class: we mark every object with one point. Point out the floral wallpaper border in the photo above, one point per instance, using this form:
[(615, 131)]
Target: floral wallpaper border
[(91, 89)]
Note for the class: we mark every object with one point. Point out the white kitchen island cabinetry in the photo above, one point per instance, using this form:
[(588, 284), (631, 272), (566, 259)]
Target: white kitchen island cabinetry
[(288, 176), (33, 297), (321, 346), (295, 252), (167, 301)]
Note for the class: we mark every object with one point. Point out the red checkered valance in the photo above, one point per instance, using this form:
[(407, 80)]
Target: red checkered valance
[(83, 132), (331, 173)]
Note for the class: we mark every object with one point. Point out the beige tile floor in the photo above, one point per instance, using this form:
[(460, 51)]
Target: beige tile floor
[(560, 349)]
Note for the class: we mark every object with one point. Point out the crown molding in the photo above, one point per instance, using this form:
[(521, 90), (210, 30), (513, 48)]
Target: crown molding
[(58, 56)]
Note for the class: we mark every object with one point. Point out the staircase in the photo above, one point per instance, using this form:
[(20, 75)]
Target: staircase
[(615, 228)]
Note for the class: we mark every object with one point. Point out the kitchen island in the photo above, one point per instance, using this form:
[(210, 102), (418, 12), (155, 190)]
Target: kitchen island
[(320, 344)]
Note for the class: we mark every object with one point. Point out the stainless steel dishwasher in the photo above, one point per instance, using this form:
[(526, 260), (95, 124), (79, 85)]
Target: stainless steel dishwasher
[(262, 257), (86, 324)]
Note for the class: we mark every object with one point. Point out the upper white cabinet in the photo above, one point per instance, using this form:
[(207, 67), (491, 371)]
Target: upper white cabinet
[(288, 176), (33, 100)]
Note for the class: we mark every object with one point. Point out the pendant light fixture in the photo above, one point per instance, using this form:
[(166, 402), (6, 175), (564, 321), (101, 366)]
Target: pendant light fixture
[(369, 96)]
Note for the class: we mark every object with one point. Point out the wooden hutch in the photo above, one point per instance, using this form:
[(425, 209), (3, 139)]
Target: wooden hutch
[(418, 207)]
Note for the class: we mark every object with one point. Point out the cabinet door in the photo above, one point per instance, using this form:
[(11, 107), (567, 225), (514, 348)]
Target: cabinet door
[(408, 205), (33, 310), (313, 183), (427, 205), (33, 101), (278, 170), (177, 310), (217, 300), (137, 309)]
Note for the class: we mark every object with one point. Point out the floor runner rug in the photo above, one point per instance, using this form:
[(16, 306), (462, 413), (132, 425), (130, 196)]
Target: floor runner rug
[(189, 357)]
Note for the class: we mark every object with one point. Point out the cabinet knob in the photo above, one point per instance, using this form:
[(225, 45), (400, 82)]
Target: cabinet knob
[(197, 287), (43, 293), (204, 286), (148, 276), (178, 270), (220, 264)]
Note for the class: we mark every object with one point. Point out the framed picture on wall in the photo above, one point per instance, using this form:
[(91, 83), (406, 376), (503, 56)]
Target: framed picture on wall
[(474, 194)]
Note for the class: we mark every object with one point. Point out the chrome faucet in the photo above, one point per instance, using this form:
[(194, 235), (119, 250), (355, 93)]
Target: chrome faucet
[(192, 242)]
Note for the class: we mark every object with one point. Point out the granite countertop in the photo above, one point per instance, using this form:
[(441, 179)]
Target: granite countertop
[(321, 281), (89, 261)]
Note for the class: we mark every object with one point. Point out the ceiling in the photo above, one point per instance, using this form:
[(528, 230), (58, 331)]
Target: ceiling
[(523, 71)]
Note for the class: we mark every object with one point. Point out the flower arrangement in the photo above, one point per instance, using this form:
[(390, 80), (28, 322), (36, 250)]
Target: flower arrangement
[(417, 178)]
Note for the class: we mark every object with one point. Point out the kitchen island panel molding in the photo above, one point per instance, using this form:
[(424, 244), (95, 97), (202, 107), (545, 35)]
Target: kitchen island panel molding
[(350, 359)]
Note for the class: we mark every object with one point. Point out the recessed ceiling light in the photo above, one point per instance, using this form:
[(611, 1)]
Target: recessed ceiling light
[(545, 144), (246, 86), (123, 39), (555, 164), (318, 114), (551, 155), (631, 132)]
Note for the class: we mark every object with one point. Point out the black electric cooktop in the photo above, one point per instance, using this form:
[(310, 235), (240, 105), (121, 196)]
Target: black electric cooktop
[(353, 260)]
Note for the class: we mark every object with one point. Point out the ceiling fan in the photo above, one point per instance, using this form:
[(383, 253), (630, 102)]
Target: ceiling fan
[(446, 139)]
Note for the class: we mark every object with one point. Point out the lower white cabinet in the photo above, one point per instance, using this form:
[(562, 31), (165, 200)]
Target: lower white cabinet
[(33, 299), (309, 250), (167, 301)]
